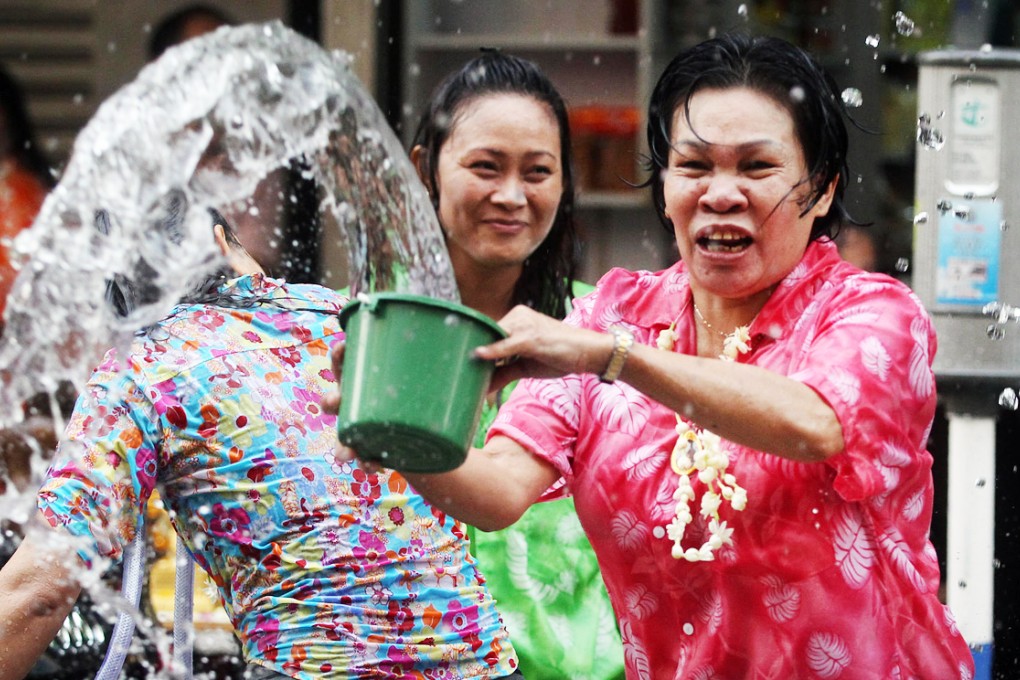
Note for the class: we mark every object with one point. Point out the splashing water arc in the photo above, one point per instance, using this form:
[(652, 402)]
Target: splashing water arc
[(198, 129)]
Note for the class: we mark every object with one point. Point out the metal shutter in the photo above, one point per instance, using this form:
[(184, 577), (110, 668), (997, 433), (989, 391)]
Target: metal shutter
[(49, 47)]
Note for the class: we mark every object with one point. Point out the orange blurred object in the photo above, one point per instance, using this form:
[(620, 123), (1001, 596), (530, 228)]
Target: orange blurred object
[(604, 145), (208, 610), (21, 196)]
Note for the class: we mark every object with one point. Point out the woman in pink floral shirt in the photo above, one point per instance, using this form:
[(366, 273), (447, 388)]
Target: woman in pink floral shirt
[(743, 433)]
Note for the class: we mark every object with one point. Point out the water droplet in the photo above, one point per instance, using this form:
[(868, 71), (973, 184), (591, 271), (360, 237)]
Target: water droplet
[(742, 11), (995, 331), (928, 136), (852, 97), (903, 264), (1009, 399), (904, 24), (797, 94), (873, 40), (688, 628), (920, 218), (658, 532)]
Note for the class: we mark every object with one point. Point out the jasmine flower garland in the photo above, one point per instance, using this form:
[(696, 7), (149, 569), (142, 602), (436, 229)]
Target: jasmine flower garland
[(698, 450)]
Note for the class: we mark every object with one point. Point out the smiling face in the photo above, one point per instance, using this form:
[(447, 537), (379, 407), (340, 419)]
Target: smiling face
[(499, 180), (734, 190)]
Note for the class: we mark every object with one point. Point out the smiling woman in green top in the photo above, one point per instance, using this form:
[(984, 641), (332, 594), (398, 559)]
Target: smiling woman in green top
[(493, 149)]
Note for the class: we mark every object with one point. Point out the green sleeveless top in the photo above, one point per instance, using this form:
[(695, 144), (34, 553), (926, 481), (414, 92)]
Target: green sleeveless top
[(548, 587)]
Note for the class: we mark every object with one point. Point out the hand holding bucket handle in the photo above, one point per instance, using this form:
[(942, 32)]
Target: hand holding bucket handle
[(382, 406), (539, 346)]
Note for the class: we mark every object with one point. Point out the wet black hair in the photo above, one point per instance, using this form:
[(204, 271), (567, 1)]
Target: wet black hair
[(779, 70), (125, 294), (170, 31), (19, 130), (548, 274), (211, 290)]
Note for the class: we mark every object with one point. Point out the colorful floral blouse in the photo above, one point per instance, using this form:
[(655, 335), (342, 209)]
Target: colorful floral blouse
[(324, 570), (830, 573)]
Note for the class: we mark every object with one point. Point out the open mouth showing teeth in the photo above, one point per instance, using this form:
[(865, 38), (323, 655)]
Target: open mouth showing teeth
[(724, 244)]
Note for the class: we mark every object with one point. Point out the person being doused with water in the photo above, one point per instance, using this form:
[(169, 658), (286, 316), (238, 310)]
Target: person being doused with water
[(493, 149), (743, 432), (324, 570)]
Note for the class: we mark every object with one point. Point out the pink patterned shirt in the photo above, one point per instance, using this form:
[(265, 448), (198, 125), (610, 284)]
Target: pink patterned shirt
[(830, 573)]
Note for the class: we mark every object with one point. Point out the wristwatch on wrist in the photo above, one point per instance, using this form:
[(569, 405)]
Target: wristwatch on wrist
[(623, 340)]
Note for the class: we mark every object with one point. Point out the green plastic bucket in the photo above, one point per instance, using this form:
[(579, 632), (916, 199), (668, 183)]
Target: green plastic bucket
[(411, 393)]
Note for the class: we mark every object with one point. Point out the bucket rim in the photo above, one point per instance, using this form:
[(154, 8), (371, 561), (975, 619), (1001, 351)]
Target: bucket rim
[(424, 300)]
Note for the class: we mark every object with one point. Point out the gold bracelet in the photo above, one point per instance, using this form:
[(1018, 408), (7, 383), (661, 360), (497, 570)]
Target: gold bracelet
[(623, 340)]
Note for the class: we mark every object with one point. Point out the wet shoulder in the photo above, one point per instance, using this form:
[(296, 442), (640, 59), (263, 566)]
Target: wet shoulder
[(321, 297), (847, 281)]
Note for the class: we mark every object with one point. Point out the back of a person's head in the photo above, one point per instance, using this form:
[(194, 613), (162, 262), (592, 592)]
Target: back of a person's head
[(17, 136), (183, 24), (127, 292)]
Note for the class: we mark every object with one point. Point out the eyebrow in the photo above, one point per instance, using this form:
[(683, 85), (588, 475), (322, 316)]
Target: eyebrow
[(751, 145), (502, 154)]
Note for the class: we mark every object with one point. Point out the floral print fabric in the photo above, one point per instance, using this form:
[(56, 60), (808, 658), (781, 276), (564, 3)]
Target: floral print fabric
[(325, 571), (831, 573)]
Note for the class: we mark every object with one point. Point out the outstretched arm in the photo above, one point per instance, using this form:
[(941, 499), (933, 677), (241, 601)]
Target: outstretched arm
[(38, 590), (742, 403), (739, 402), (491, 490)]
